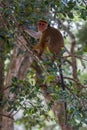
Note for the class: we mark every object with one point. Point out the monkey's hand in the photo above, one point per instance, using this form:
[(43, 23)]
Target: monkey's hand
[(38, 50), (34, 34)]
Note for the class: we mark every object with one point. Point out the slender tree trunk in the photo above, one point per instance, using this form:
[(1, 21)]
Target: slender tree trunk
[(18, 66), (5, 122), (1, 77)]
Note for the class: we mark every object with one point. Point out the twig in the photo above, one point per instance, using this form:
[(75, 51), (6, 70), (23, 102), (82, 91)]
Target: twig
[(15, 112), (71, 91), (85, 2), (8, 116), (80, 57), (76, 81)]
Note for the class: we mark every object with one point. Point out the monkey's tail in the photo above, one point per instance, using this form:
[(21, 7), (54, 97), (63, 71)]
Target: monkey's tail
[(63, 88)]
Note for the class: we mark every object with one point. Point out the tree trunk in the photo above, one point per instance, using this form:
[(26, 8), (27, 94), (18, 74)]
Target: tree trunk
[(18, 66), (1, 77)]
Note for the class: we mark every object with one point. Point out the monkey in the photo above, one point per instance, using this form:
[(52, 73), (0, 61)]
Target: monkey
[(51, 38)]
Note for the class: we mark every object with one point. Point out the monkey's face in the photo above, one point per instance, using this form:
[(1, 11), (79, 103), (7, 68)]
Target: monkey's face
[(42, 26)]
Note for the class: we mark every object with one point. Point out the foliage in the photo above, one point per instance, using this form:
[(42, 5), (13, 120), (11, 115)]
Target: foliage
[(28, 99), (82, 39), (28, 93)]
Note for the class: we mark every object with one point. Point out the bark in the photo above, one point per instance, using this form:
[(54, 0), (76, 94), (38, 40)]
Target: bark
[(1, 77), (2, 58), (72, 51), (58, 108), (18, 68), (72, 54), (19, 64)]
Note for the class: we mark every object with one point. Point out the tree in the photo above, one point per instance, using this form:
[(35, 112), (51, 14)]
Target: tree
[(27, 78)]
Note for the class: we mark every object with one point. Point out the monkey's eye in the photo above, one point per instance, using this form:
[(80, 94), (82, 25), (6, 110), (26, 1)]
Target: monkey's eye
[(41, 24)]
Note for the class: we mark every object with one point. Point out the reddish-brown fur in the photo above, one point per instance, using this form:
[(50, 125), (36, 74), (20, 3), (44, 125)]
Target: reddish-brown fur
[(51, 38)]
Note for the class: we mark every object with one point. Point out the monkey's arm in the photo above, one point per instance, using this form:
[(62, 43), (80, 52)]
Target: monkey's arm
[(34, 34), (40, 47)]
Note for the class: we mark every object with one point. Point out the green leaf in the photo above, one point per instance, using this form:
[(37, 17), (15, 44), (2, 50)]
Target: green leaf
[(70, 14)]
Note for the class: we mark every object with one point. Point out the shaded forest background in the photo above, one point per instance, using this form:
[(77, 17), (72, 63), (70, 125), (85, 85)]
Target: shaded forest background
[(32, 85)]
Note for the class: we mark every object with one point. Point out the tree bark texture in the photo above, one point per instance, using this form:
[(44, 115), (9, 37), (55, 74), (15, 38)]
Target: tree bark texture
[(1, 77), (19, 63)]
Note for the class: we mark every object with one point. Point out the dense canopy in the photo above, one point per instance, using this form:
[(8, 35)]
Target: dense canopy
[(31, 84)]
